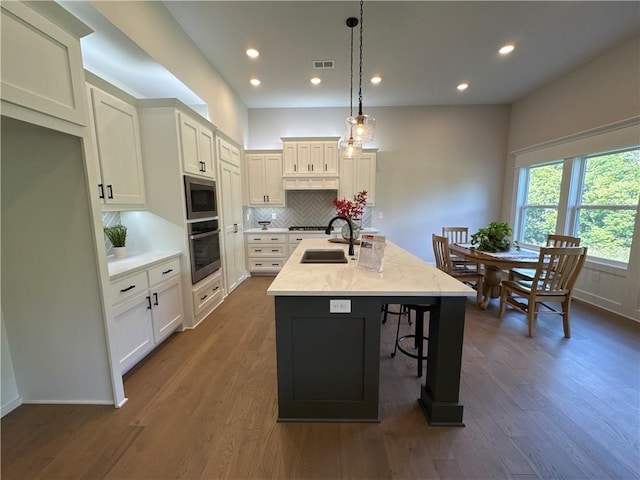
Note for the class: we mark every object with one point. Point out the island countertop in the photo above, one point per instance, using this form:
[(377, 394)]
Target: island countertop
[(403, 274)]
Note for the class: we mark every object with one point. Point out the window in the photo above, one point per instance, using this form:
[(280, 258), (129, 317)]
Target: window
[(539, 211), (607, 203), (594, 197)]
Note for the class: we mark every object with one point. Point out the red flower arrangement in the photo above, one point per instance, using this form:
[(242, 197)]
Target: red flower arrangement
[(351, 210)]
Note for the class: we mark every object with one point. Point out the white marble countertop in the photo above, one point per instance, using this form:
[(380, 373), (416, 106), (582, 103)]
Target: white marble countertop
[(286, 230), (140, 261), (403, 274), (269, 230)]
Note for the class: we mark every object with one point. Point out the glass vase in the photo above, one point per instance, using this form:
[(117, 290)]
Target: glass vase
[(356, 225)]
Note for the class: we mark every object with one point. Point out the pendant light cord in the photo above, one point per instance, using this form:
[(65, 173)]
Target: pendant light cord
[(360, 81), (351, 79)]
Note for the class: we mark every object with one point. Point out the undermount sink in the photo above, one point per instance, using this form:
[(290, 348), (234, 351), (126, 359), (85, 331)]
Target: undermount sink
[(333, 255)]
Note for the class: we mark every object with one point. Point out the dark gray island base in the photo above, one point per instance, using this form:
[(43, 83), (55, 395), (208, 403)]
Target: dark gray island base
[(329, 363)]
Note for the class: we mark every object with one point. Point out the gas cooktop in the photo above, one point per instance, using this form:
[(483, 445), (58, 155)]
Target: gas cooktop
[(308, 228)]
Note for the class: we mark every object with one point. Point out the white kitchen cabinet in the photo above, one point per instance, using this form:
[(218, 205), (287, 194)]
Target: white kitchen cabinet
[(310, 157), (230, 188), (266, 252), (116, 137), (196, 147), (264, 179), (358, 174), (207, 294), (147, 308), (296, 237), (42, 74)]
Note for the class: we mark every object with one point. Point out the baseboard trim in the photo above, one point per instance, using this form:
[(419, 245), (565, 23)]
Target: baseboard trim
[(11, 406)]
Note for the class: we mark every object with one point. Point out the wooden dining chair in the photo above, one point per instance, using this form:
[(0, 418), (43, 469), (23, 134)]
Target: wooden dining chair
[(458, 235), (552, 241), (459, 272), (553, 280)]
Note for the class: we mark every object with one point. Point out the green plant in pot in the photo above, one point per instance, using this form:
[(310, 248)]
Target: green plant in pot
[(493, 238), (117, 235)]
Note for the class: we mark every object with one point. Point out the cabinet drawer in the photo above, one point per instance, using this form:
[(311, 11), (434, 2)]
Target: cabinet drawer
[(266, 264), (267, 250), (295, 239), (164, 271), (128, 287), (206, 295), (267, 238)]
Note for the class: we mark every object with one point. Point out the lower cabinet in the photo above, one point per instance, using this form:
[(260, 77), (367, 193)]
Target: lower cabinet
[(147, 308), (207, 294), (266, 252)]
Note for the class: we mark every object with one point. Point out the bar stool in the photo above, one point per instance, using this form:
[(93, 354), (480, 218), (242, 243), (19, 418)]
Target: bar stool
[(418, 337), (385, 311)]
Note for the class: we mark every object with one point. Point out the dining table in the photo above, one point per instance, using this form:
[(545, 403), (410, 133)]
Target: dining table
[(494, 263)]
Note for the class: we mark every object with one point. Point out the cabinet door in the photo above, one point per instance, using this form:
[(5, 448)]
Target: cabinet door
[(316, 158), (255, 179), (304, 158), (166, 301), (189, 141), (273, 179), (365, 178), (230, 184), (118, 146), (134, 333), (290, 159), (330, 166), (206, 146), (347, 178)]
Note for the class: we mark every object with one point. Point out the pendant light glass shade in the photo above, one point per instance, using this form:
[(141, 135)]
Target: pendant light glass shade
[(362, 126)]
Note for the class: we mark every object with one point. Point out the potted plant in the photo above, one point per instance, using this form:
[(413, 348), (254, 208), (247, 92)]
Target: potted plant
[(493, 238), (353, 210), (117, 235)]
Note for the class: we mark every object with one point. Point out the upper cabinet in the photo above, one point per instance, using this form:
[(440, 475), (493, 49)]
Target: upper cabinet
[(310, 158), (197, 146), (358, 174), (117, 149), (42, 76), (264, 179)]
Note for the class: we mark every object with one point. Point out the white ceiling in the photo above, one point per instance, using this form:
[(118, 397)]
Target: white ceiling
[(422, 49)]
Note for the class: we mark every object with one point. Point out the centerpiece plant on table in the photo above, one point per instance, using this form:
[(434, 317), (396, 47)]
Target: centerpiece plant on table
[(353, 211), (493, 238)]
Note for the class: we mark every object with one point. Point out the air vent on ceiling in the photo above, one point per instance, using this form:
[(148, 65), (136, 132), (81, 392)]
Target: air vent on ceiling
[(323, 64)]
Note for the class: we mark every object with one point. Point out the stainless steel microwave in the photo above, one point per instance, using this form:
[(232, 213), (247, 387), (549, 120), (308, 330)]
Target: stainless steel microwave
[(200, 196)]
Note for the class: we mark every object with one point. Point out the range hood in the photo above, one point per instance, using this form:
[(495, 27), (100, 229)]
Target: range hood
[(310, 183)]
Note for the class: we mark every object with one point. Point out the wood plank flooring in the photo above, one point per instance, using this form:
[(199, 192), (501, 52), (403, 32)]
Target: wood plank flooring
[(203, 406)]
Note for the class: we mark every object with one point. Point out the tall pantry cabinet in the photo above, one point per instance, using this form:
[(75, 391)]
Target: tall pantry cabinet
[(230, 212)]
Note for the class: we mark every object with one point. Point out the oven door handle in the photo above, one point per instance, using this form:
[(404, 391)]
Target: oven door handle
[(196, 236)]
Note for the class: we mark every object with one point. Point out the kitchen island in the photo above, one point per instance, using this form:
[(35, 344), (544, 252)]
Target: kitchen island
[(328, 335)]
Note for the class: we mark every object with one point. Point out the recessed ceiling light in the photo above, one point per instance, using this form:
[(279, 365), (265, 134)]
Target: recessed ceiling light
[(316, 80), (462, 86), (376, 80), (506, 49), (255, 82), (253, 53)]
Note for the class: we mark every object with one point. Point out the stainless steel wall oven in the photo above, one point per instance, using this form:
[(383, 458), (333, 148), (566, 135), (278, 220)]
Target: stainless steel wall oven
[(204, 246)]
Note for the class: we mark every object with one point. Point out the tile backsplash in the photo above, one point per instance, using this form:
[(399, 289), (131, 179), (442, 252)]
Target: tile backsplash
[(303, 208)]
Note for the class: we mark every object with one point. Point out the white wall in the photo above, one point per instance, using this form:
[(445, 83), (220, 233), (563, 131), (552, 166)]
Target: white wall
[(51, 300), (602, 92), (152, 28), (10, 397), (436, 166)]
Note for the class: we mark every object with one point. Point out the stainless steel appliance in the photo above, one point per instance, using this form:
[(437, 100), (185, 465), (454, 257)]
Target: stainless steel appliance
[(200, 197), (204, 246)]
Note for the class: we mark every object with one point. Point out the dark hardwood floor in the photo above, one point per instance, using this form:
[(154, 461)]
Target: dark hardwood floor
[(203, 406)]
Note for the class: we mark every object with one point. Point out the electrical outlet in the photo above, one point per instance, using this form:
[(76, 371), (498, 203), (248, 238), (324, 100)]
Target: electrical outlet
[(273, 215), (380, 215), (339, 306)]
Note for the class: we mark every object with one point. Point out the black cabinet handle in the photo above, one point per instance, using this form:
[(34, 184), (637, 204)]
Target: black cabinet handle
[(149, 301), (110, 191), (267, 198), (203, 297), (274, 250), (258, 264), (217, 287), (167, 271), (128, 288), (101, 187), (258, 250), (235, 228), (274, 239), (155, 299), (295, 168)]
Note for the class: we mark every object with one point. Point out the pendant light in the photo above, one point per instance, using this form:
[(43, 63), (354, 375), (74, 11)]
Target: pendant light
[(364, 125), (349, 147)]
